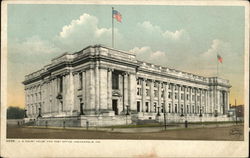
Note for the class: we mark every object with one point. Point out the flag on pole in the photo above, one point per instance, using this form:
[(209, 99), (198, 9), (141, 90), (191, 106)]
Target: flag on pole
[(117, 15), (219, 58)]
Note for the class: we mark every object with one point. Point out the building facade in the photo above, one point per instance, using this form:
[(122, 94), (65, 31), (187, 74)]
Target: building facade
[(101, 84)]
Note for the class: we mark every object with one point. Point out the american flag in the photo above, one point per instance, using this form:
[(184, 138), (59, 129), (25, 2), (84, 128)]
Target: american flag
[(219, 58), (117, 15)]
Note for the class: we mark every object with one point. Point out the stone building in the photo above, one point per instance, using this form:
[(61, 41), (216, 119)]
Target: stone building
[(104, 86)]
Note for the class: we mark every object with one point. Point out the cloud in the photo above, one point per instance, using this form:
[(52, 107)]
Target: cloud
[(32, 45), (174, 35), (147, 54), (148, 27), (84, 31)]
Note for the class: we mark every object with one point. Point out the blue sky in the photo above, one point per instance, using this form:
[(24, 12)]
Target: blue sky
[(182, 37)]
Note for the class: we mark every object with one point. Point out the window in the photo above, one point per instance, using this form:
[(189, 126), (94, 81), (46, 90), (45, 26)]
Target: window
[(162, 94), (115, 81), (155, 84), (175, 87), (187, 109), (193, 97), (139, 82), (155, 106), (169, 108), (169, 86), (155, 93), (187, 97), (175, 108), (80, 80), (147, 83), (176, 96), (162, 108), (147, 107), (182, 96), (60, 84), (139, 91), (147, 92), (182, 88), (169, 95)]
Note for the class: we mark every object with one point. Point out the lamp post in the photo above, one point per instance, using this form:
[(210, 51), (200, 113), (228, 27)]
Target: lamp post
[(182, 114), (158, 113), (165, 121), (215, 115), (127, 113), (200, 116), (235, 110)]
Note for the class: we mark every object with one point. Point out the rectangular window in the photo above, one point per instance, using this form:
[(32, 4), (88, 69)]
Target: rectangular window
[(169, 95), (175, 108), (155, 93), (193, 97), (147, 92), (139, 91), (169, 108), (162, 93), (155, 106), (176, 96), (115, 81), (182, 96), (60, 84), (147, 83), (155, 84), (187, 97), (147, 107), (80, 80)]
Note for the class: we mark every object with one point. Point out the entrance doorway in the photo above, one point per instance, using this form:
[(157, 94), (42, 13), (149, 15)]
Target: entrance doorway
[(114, 106)]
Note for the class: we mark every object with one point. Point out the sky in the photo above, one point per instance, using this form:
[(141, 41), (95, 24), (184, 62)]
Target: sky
[(187, 38)]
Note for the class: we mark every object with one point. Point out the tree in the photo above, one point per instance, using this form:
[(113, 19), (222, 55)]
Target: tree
[(15, 113)]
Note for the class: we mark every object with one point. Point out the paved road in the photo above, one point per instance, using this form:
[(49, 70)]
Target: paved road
[(213, 133)]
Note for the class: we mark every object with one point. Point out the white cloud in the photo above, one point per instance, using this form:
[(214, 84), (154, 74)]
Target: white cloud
[(174, 35), (147, 54), (84, 31), (33, 45), (150, 28)]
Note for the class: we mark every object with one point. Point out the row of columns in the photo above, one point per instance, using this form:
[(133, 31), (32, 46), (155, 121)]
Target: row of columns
[(185, 106)]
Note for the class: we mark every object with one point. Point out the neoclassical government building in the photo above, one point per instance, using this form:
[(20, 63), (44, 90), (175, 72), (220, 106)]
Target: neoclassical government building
[(105, 86)]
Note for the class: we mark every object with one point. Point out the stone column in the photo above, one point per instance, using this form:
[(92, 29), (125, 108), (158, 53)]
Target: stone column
[(151, 96), (218, 102), (201, 103), (173, 100), (132, 92), (125, 95), (109, 89), (190, 99), (103, 89), (179, 99), (227, 101), (70, 90), (91, 90), (185, 99), (84, 90), (159, 96), (166, 96), (143, 95), (97, 103), (195, 100)]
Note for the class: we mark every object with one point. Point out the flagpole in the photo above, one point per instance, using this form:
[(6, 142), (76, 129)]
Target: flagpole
[(112, 28), (217, 66)]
